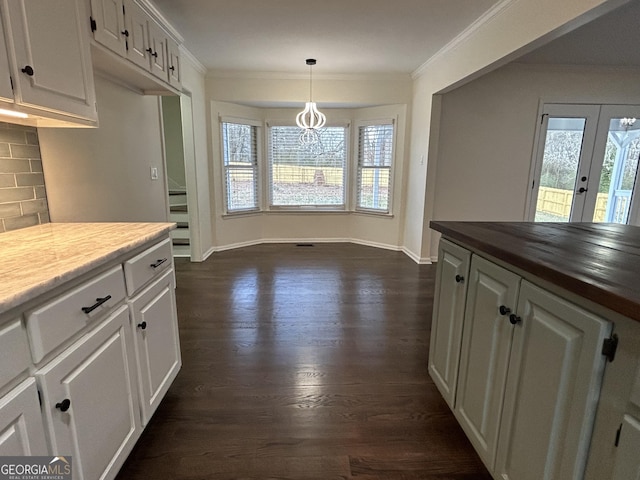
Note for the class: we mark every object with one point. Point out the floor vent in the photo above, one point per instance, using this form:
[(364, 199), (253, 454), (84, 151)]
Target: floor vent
[(304, 245)]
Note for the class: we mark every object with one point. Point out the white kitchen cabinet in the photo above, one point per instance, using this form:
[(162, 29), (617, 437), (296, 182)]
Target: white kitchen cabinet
[(627, 464), (21, 430), (137, 22), (175, 72), (90, 399), (155, 329), (107, 18), (49, 49), (448, 314), (6, 91), (127, 28), (555, 373), (484, 358)]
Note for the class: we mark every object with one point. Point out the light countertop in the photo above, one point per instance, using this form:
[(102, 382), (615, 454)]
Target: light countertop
[(36, 259)]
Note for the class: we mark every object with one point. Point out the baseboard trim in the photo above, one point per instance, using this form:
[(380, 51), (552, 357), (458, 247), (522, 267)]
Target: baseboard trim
[(385, 246)]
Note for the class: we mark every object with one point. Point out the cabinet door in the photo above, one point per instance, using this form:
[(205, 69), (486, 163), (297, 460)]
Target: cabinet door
[(138, 29), (627, 466), (109, 24), (555, 373), (155, 326), (448, 314), (174, 64), (484, 357), (97, 375), (51, 48), (158, 45), (21, 431), (6, 92)]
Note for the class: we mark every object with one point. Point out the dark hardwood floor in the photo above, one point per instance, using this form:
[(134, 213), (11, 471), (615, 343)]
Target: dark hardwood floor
[(304, 362)]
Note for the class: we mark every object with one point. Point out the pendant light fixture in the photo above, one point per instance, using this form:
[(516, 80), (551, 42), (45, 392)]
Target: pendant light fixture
[(310, 119)]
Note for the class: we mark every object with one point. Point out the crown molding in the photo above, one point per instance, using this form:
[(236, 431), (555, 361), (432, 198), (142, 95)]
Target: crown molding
[(485, 18), (157, 15), (245, 74), (191, 58)]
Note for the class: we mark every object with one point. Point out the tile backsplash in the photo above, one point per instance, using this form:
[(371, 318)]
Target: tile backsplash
[(23, 198)]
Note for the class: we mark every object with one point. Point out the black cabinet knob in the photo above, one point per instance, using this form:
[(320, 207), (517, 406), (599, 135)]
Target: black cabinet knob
[(149, 50), (125, 33), (142, 326), (504, 310), (582, 190), (514, 319), (155, 54), (64, 405), (172, 68), (28, 70), (459, 279)]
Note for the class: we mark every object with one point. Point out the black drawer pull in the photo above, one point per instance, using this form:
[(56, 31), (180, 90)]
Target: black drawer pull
[(64, 405), (504, 310), (159, 262), (28, 70), (514, 319), (459, 279), (99, 301), (142, 326)]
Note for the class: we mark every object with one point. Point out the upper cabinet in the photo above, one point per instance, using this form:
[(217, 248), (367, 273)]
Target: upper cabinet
[(6, 92), (49, 60), (132, 43)]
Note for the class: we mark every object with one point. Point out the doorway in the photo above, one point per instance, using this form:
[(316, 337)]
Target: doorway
[(586, 164)]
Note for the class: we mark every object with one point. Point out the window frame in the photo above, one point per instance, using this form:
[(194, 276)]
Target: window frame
[(256, 125), (393, 121), (268, 176)]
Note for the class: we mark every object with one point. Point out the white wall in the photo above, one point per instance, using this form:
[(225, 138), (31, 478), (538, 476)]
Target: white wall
[(511, 29), (199, 172), (103, 174), (349, 92), (487, 133)]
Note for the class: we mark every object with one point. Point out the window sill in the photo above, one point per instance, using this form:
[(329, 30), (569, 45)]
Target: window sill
[(304, 211)]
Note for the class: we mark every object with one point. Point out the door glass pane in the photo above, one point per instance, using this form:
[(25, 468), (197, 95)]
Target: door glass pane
[(619, 171), (560, 161)]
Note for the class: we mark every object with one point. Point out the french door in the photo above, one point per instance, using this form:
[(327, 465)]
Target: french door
[(586, 164)]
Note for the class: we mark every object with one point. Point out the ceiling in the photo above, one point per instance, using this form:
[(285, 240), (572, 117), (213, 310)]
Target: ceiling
[(345, 36), (611, 40)]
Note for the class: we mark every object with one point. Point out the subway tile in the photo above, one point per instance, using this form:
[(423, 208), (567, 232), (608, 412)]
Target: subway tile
[(13, 136), (7, 180), (24, 151), (2, 226), (41, 192), (44, 217), (14, 223), (29, 179), (32, 137), (4, 150), (34, 206), (36, 166), (8, 195), (10, 210), (11, 165)]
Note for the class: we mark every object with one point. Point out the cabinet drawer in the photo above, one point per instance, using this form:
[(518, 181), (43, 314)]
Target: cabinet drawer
[(14, 351), (52, 324), (149, 264)]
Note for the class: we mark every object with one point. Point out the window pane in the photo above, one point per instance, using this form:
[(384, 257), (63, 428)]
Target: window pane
[(241, 166), (562, 149), (619, 171), (373, 189), (241, 189), (307, 175), (375, 156)]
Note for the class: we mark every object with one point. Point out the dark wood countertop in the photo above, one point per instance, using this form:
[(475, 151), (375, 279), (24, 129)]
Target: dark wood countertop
[(597, 261)]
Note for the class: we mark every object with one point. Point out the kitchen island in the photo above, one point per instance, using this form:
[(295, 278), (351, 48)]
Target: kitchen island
[(88, 339), (535, 345)]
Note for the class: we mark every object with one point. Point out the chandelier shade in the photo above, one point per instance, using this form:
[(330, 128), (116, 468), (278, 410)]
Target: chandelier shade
[(310, 119)]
